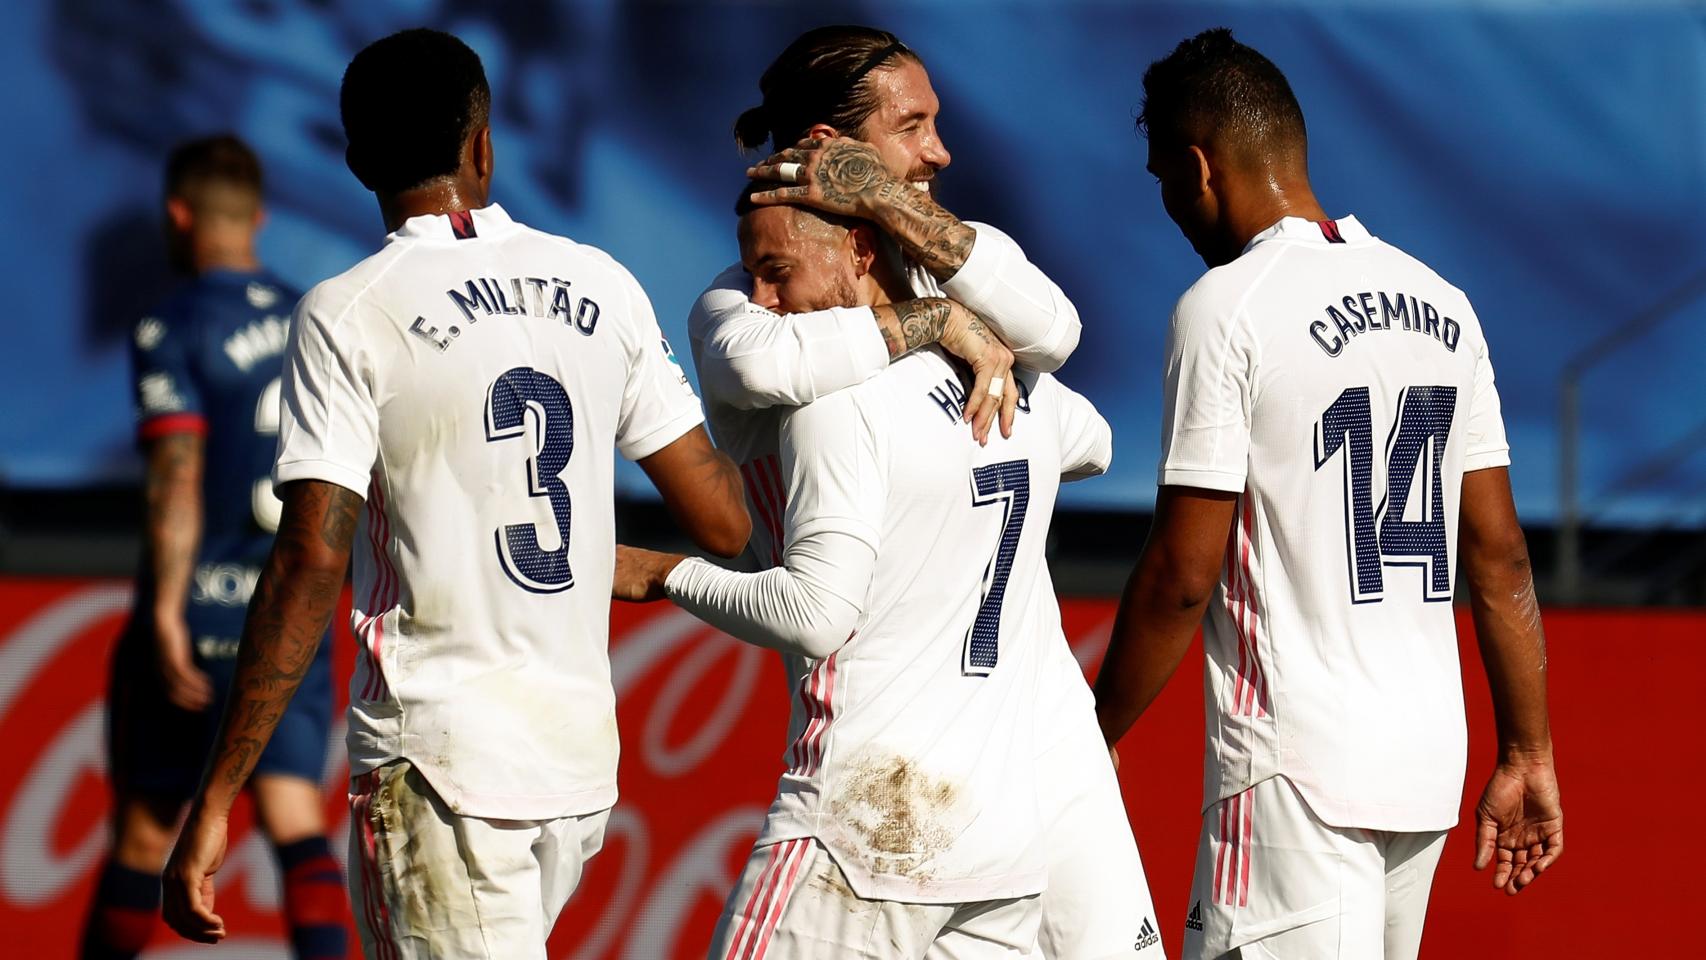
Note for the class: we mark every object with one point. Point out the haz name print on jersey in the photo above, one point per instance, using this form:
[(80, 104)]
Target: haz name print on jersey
[(1361, 316), (514, 297)]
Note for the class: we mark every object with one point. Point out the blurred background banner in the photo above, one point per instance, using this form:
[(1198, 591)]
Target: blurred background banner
[(703, 721), (1549, 158)]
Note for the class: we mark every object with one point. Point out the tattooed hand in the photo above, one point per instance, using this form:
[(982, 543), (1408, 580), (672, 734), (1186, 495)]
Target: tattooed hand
[(848, 177), (967, 337), (837, 176)]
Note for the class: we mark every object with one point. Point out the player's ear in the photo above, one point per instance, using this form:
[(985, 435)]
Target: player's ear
[(481, 148), (179, 214), (821, 131), (1200, 161), (863, 238)]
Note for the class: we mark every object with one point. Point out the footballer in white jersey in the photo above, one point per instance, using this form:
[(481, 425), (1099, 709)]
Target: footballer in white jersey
[(1331, 439), (920, 672), (471, 382), (756, 359)]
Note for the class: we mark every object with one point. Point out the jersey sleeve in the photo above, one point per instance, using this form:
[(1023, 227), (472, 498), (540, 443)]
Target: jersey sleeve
[(1086, 440), (168, 399), (1206, 394), (751, 358), (658, 404), (833, 466), (1485, 444), (834, 473), (1025, 307), (328, 425)]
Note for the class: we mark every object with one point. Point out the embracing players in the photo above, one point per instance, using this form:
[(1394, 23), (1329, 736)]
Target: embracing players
[(915, 604), (453, 404), (207, 367), (854, 109), (1332, 448)]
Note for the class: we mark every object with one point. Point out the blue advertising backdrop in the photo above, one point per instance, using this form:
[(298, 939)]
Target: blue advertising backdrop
[(1548, 158)]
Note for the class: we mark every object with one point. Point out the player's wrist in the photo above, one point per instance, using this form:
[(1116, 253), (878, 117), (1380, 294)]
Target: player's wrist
[(1526, 755)]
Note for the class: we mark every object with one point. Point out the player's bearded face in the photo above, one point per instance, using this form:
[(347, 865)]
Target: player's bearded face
[(903, 128), (798, 264)]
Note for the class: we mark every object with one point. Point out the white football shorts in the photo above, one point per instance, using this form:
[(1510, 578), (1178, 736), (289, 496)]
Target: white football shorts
[(426, 883), (792, 902), (1273, 881)]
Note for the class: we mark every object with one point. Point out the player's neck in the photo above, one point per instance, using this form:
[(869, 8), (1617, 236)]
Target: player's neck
[(1267, 202), (886, 282), (436, 198), (238, 258)]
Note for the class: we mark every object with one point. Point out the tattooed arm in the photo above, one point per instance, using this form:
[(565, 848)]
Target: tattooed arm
[(979, 266), (848, 177), (750, 358), (173, 534), (292, 604)]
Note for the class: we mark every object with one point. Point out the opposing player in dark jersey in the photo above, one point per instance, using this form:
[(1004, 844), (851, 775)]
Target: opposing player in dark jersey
[(206, 367)]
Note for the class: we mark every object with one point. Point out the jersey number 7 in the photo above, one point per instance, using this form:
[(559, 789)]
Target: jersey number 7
[(1009, 484), (1379, 537)]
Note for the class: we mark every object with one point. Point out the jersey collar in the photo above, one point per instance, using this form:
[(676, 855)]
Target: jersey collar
[(488, 221), (1342, 230)]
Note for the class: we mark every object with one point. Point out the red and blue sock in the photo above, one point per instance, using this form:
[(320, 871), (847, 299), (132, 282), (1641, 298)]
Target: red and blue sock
[(122, 918), (315, 907)]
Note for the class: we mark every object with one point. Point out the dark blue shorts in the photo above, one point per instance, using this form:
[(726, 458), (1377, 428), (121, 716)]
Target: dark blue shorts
[(158, 750)]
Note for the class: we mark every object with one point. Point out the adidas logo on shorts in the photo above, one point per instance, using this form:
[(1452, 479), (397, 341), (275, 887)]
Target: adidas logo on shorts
[(1146, 936), (1194, 921)]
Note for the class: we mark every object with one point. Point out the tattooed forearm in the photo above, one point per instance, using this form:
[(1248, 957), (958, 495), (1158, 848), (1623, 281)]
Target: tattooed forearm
[(911, 324), (292, 603), (924, 229), (174, 517)]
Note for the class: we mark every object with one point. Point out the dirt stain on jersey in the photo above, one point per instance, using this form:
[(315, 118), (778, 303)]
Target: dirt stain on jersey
[(900, 813)]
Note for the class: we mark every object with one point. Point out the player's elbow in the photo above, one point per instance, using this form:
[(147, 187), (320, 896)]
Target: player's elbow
[(725, 534), (821, 637)]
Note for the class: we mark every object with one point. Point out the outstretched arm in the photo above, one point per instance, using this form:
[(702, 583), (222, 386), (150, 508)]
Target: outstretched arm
[(977, 265), (702, 488), (1163, 603), (292, 604), (1519, 821)]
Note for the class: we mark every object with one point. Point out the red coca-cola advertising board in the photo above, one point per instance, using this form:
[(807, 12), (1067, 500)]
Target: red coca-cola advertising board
[(702, 727)]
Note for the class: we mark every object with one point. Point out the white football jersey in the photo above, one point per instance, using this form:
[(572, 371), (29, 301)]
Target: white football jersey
[(472, 380), (912, 749), (1342, 389)]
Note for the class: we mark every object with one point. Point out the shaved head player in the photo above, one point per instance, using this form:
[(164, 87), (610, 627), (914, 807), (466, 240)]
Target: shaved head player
[(453, 405), (1332, 454)]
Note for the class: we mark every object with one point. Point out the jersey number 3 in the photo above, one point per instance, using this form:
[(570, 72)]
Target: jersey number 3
[(511, 395), (1379, 537)]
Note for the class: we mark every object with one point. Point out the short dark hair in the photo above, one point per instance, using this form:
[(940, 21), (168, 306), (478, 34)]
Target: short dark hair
[(219, 159), (1212, 88), (822, 77), (409, 102)]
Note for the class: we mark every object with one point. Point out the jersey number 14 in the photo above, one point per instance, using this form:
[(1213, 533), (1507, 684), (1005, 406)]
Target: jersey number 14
[(1377, 537)]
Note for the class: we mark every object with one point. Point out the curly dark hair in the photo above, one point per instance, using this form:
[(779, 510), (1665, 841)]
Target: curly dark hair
[(409, 102), (1212, 88)]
